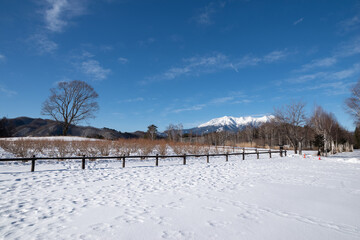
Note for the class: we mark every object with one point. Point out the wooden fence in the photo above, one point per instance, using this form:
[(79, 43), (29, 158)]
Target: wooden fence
[(156, 157)]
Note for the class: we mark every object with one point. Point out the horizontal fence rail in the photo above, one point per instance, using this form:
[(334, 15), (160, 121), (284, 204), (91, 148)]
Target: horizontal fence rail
[(156, 157)]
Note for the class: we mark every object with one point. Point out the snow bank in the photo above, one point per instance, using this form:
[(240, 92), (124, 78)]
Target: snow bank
[(52, 138), (278, 198)]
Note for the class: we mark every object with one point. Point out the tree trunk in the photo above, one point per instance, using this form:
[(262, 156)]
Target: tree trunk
[(65, 129)]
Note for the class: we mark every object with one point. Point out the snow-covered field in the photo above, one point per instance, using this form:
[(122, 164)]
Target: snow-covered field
[(278, 198)]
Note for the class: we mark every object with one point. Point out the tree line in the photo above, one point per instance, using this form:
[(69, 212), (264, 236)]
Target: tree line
[(290, 128), (75, 101)]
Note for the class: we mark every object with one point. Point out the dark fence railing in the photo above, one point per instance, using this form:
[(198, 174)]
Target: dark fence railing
[(156, 157)]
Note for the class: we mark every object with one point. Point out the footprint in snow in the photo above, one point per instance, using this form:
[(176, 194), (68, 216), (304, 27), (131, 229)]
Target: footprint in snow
[(178, 235), (214, 223)]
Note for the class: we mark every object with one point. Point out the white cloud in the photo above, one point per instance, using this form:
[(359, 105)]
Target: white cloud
[(106, 48), (192, 108), (349, 25), (332, 88), (221, 100), (58, 13), (349, 48), (323, 62), (205, 14), (250, 60), (275, 56), (2, 58), (204, 18), (326, 76), (7, 92), (246, 61), (131, 100), (147, 42), (215, 62), (346, 73), (93, 69), (42, 43), (194, 65), (123, 60), (298, 21)]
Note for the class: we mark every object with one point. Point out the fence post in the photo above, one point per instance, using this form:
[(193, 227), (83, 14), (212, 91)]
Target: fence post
[(227, 157), (184, 159), (270, 153), (257, 153), (33, 164), (207, 158), (123, 165), (243, 153), (83, 162), (157, 160)]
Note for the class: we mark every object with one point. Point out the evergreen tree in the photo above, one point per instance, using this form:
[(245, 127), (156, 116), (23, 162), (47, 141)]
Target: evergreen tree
[(151, 132)]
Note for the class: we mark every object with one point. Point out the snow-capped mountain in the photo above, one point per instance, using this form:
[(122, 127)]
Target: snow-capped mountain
[(227, 123)]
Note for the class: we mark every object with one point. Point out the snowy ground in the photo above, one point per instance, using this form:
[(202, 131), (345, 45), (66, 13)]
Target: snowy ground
[(278, 198)]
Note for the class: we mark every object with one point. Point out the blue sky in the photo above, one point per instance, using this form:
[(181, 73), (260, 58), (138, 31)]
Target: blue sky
[(162, 62)]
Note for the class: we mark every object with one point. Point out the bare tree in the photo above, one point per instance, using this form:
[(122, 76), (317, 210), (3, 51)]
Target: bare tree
[(249, 132), (292, 119), (174, 132), (324, 124), (70, 103), (353, 103)]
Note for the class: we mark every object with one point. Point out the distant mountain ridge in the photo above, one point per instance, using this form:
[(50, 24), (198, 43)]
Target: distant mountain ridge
[(38, 127), (228, 123)]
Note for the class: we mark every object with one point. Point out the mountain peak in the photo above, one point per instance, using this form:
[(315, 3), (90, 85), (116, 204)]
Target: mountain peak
[(235, 122), (229, 123)]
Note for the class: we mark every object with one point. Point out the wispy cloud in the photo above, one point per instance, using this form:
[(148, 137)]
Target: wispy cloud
[(331, 88), (215, 62), (349, 48), (2, 58), (7, 92), (94, 70), (193, 65), (323, 62), (246, 61), (346, 73), (344, 50), (106, 48), (250, 60), (330, 75), (205, 14), (230, 98), (58, 13), (42, 43), (275, 56), (298, 21), (192, 108), (86, 63), (123, 60), (221, 100), (349, 25), (131, 100), (204, 18), (147, 42)]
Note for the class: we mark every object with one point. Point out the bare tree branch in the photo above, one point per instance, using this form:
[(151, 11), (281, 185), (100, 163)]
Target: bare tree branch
[(70, 103)]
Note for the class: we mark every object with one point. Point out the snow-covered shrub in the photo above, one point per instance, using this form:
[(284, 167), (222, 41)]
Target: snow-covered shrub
[(104, 147), (161, 147), (21, 147)]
